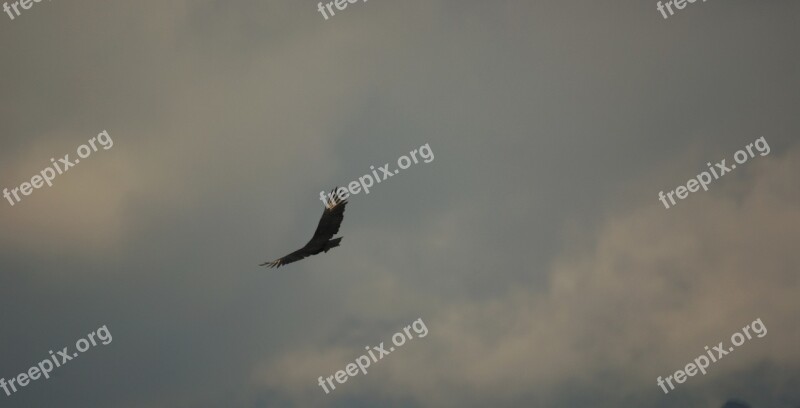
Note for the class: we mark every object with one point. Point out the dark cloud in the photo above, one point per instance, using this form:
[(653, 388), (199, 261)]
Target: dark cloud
[(533, 246)]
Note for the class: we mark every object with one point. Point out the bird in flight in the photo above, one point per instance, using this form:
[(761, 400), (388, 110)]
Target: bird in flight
[(322, 240)]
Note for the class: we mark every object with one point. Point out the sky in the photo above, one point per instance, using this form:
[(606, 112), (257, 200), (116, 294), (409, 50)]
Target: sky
[(533, 246)]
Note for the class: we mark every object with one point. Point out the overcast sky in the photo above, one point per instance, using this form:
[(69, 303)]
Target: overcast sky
[(534, 246)]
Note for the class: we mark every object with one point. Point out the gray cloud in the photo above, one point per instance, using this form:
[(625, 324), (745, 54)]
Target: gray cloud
[(533, 246)]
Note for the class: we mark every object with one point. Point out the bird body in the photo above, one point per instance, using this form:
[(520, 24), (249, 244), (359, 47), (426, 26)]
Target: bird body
[(323, 240)]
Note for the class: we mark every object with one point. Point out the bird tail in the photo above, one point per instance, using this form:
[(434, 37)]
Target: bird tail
[(333, 243)]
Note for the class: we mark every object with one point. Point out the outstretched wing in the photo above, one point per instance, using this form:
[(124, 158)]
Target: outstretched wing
[(328, 226), (293, 257), (331, 218)]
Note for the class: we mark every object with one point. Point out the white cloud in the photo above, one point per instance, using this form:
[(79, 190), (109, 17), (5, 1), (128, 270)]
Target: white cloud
[(652, 290)]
